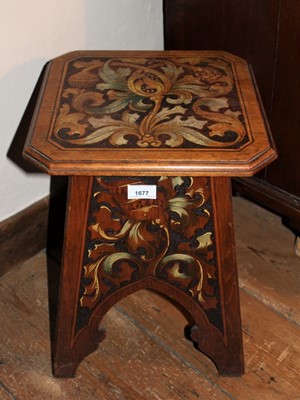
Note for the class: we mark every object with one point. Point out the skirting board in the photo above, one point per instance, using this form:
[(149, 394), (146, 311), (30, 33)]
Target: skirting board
[(268, 196), (23, 235), (35, 228)]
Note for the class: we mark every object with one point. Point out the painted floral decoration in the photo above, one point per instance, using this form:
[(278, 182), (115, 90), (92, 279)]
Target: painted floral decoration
[(170, 238), (150, 103)]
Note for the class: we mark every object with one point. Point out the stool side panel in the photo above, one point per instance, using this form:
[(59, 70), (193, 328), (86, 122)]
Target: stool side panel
[(169, 239)]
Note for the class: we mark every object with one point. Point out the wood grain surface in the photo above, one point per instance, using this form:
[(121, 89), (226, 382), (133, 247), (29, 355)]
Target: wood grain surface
[(149, 113), (145, 354)]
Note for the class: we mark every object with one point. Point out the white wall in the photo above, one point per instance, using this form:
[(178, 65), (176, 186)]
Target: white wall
[(34, 31)]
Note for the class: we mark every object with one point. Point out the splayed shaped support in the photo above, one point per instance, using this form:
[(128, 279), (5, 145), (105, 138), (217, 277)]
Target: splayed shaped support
[(180, 244)]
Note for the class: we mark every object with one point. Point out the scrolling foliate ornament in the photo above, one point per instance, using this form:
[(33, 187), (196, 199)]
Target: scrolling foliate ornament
[(169, 238), (187, 102)]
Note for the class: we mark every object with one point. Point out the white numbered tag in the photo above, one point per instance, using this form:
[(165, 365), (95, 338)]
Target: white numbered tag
[(141, 191)]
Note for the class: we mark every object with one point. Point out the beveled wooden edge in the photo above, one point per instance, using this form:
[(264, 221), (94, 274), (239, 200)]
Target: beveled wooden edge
[(109, 167), (144, 53), (48, 157)]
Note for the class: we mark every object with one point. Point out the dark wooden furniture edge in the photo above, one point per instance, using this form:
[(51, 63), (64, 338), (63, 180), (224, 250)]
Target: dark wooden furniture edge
[(269, 196)]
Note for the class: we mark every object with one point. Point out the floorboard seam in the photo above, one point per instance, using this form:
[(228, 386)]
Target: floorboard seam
[(171, 351), (7, 391), (255, 296)]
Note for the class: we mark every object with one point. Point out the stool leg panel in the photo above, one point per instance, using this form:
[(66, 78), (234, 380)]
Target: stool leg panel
[(67, 356), (226, 353), (235, 363)]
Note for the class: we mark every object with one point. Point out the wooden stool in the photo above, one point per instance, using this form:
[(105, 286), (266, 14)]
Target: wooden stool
[(149, 141)]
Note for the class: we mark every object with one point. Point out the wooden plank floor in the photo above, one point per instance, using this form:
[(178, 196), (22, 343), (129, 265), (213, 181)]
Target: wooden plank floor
[(145, 354)]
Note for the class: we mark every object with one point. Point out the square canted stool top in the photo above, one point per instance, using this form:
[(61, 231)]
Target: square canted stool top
[(149, 113)]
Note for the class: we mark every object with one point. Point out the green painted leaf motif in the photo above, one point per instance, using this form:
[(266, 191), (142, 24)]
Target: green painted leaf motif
[(214, 104), (177, 273), (197, 90), (165, 114), (71, 122), (88, 64), (130, 118), (204, 241), (140, 89), (116, 79), (195, 271), (223, 65), (141, 61), (122, 100), (98, 135), (189, 60), (182, 96), (178, 258), (109, 261), (179, 206), (117, 235), (233, 114), (93, 289), (172, 71), (178, 128), (108, 127), (137, 104), (177, 181), (194, 136)]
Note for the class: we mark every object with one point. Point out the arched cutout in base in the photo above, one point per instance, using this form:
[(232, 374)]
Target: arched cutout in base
[(219, 348), (181, 245)]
